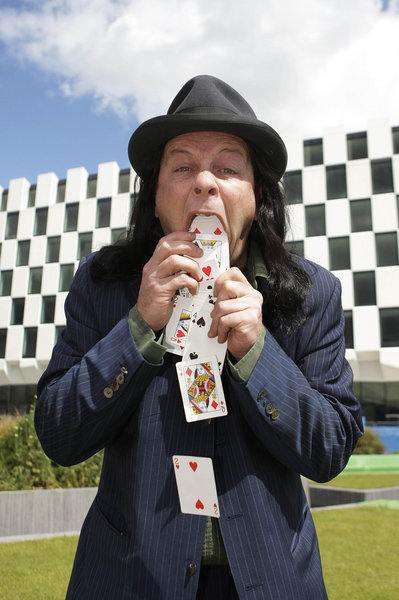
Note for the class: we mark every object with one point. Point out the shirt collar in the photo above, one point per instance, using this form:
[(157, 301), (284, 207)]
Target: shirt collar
[(255, 264)]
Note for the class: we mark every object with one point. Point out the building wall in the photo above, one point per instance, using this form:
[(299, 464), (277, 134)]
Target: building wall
[(343, 192)]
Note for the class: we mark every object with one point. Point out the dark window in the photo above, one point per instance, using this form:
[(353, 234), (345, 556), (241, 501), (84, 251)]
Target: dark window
[(315, 220), (35, 280), (313, 152), (11, 226), (395, 139), (61, 190), (23, 253), (124, 181), (66, 275), (40, 227), (336, 182), (84, 246), (357, 145), (389, 325), (103, 212), (5, 283), (71, 217), (3, 342), (339, 253), (293, 187), (387, 249), (381, 175), (361, 215), (17, 311), (364, 288), (48, 309), (117, 234), (4, 199), (30, 338), (295, 247), (348, 332), (32, 195), (91, 186), (53, 249)]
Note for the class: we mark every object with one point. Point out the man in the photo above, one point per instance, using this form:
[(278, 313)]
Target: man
[(111, 384)]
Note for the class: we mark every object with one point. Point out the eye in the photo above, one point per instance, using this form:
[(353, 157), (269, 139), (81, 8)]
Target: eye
[(182, 169), (228, 171)]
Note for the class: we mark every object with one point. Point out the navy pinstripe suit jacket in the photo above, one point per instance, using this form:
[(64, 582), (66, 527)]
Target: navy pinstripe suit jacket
[(135, 542)]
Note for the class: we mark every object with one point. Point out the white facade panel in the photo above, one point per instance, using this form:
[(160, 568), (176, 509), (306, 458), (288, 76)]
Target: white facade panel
[(379, 138), (358, 179), (387, 286), (107, 179), (18, 193), (362, 251), (338, 218), (46, 189), (383, 210), (316, 249), (76, 185), (334, 146), (314, 184)]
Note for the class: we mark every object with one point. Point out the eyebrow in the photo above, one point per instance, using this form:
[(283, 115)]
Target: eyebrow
[(239, 151)]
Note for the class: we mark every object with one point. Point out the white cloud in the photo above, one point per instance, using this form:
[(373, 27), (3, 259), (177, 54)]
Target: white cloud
[(302, 65)]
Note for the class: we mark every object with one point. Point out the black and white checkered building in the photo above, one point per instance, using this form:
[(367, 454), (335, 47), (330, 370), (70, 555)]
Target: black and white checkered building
[(343, 202)]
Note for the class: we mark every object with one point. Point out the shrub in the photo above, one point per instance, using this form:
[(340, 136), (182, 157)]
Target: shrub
[(369, 443), (23, 464)]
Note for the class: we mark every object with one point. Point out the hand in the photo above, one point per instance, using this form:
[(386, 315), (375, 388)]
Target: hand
[(237, 316), (168, 270)]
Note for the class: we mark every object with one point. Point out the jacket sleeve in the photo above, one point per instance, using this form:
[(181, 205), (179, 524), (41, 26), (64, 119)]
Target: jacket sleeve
[(299, 400), (95, 378)]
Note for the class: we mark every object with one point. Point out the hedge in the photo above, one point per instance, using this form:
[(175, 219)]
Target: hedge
[(24, 466)]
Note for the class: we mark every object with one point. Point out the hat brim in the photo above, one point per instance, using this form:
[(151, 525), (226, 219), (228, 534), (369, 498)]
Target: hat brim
[(153, 134)]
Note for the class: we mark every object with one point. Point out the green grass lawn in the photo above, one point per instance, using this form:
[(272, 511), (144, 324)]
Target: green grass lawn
[(365, 480), (359, 548)]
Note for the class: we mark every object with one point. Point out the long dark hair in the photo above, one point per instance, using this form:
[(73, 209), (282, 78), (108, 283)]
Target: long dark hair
[(287, 284)]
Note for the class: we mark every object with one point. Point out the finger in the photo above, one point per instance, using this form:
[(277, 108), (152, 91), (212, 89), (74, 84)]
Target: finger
[(233, 274), (175, 264), (180, 243)]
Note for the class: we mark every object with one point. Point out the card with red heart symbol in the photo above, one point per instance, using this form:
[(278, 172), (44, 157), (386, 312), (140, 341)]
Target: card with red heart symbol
[(196, 485)]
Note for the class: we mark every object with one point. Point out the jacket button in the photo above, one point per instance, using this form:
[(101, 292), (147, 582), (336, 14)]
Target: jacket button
[(192, 569), (275, 414), (270, 408), (120, 378), (108, 393), (260, 395)]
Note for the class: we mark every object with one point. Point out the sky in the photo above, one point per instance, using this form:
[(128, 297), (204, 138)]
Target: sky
[(78, 76)]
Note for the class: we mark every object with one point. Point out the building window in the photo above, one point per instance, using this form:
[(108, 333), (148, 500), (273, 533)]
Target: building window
[(357, 145), (348, 332), (313, 152), (3, 342), (30, 338), (91, 186), (53, 249), (17, 311), (364, 288), (339, 253), (23, 253), (66, 276), (395, 139), (389, 325), (315, 218), (61, 191), (11, 226), (84, 245), (5, 283), (296, 248), (4, 199), (117, 234), (48, 309), (32, 195), (35, 280), (336, 182), (124, 181), (387, 249), (103, 216), (71, 217), (381, 176), (293, 187), (40, 226), (361, 215)]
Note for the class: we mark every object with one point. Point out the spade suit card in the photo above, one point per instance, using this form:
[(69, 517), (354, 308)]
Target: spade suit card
[(201, 389), (196, 485)]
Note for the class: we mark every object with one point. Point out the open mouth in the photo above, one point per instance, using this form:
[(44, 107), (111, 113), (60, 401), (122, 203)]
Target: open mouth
[(192, 217)]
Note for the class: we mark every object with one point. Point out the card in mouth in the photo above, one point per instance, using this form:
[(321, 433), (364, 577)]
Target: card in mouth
[(201, 389), (196, 485)]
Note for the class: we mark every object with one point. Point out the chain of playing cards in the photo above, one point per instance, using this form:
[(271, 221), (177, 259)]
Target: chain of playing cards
[(186, 334)]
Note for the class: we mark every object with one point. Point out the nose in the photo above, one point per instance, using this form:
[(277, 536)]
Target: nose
[(206, 184)]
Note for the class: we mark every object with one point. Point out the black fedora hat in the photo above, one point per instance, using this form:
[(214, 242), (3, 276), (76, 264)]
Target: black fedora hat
[(206, 103)]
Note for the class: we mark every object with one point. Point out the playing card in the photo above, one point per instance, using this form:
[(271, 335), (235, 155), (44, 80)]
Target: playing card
[(201, 389), (177, 328), (196, 485)]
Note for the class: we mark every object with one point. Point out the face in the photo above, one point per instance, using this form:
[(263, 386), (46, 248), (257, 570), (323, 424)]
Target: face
[(208, 173)]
